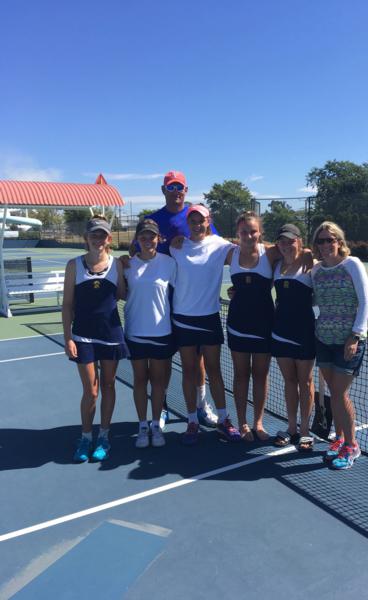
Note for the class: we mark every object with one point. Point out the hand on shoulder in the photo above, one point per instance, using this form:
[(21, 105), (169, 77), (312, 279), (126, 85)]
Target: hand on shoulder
[(125, 261), (177, 242)]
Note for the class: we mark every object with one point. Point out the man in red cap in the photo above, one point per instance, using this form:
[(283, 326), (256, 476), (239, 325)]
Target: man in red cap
[(172, 221)]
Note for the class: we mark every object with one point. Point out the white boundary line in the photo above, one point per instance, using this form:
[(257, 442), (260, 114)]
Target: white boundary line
[(8, 360), (30, 337), (152, 492)]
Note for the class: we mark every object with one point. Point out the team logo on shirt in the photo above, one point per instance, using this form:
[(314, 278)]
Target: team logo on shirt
[(96, 285)]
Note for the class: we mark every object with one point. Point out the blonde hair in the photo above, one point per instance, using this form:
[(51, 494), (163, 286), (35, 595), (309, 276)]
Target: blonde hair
[(337, 232)]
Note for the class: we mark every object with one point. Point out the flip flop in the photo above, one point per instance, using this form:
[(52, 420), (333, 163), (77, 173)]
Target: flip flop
[(306, 443), (246, 433), (260, 435), (284, 438)]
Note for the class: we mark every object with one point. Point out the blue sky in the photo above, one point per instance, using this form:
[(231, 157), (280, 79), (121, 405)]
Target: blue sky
[(260, 91)]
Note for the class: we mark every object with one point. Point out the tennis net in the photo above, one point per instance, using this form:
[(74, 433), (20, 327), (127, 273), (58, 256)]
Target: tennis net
[(276, 401)]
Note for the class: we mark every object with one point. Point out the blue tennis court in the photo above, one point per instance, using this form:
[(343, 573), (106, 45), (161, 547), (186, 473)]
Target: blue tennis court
[(211, 521)]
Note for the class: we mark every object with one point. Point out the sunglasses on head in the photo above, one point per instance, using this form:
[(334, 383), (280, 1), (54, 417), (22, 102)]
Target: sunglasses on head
[(172, 187), (322, 241)]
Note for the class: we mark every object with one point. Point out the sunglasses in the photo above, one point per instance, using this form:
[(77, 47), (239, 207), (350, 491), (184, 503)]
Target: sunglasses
[(172, 187), (322, 241)]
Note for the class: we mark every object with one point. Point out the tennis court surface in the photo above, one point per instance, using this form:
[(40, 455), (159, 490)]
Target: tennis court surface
[(213, 521)]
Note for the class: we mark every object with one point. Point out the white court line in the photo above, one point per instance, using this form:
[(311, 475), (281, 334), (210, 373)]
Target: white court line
[(7, 360), (152, 492), (361, 427), (30, 337)]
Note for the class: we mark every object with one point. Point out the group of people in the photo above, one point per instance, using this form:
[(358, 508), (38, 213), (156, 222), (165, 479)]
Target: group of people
[(171, 284)]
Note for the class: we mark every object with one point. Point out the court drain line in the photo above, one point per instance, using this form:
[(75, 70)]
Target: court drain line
[(141, 495)]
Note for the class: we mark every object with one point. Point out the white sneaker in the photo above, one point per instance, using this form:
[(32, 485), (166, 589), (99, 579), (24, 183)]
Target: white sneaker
[(158, 439), (142, 440), (206, 416)]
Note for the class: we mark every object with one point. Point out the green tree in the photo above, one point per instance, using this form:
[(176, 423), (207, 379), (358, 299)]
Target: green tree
[(50, 217), (342, 196), (75, 220), (226, 201), (144, 212), (280, 213)]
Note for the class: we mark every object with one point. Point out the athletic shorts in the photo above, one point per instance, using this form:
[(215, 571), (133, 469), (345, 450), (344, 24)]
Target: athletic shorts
[(331, 356), (238, 342), (198, 331), (158, 348), (92, 352), (305, 351)]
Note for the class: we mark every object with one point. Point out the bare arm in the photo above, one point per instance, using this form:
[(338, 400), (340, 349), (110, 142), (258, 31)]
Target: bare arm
[(273, 254), (68, 309), (229, 256)]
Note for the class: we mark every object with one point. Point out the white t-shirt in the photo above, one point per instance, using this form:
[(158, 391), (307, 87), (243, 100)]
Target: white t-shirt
[(147, 309), (199, 275)]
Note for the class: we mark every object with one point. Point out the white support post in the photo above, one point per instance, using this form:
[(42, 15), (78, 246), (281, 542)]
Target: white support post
[(4, 303)]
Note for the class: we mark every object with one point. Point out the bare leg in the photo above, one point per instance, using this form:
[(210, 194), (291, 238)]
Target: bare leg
[(89, 377), (201, 372), (189, 361), (242, 370), (328, 377), (211, 356), (289, 372), (260, 367), (158, 370), (141, 373), (306, 393), (167, 381), (342, 407), (108, 371)]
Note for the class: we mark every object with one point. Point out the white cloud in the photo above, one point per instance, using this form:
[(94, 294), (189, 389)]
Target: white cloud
[(265, 196), (127, 176), (25, 168), (255, 177), (309, 189), (158, 199)]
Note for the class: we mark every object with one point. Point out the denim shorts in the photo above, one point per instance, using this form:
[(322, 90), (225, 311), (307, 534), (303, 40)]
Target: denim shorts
[(331, 356)]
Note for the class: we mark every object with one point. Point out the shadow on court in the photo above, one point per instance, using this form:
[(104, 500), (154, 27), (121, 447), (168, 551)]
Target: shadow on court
[(304, 474)]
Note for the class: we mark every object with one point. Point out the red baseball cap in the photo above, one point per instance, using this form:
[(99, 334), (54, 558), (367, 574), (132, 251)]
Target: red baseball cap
[(199, 208), (175, 177)]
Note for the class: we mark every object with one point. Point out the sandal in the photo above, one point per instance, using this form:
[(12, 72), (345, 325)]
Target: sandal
[(284, 438), (246, 433), (306, 443), (260, 435)]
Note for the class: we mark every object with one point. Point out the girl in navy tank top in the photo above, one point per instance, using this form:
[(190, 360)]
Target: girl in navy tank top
[(249, 322), (92, 331)]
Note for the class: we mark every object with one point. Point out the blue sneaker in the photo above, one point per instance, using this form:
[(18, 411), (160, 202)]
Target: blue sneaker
[(227, 430), (164, 418), (101, 452), (346, 457), (83, 450), (334, 449), (206, 416), (190, 436)]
